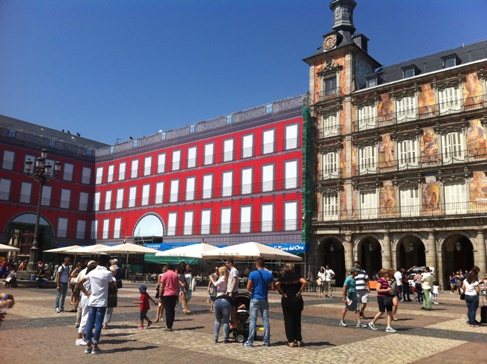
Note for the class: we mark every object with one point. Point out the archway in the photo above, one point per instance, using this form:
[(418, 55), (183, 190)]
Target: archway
[(21, 231), (457, 255), (410, 251), (370, 255), (150, 229), (334, 256)]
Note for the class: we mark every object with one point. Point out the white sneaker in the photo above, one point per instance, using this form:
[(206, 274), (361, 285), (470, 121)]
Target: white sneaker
[(372, 326), (342, 324), (391, 330), (436, 303), (80, 342), (58, 310), (361, 325)]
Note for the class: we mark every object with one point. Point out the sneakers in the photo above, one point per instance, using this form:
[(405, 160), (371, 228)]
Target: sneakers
[(96, 350), (391, 330), (436, 303), (362, 315), (80, 342), (58, 310), (247, 344), (372, 326), (149, 324), (267, 345), (342, 323), (140, 327), (361, 325), (168, 328), (88, 350)]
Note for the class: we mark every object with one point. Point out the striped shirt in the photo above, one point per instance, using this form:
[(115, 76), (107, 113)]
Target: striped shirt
[(384, 284), (361, 280)]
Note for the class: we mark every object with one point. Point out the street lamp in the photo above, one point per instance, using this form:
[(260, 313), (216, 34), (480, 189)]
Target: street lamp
[(42, 173)]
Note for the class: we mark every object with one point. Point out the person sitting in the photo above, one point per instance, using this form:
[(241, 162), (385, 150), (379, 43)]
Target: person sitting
[(11, 279), (41, 277)]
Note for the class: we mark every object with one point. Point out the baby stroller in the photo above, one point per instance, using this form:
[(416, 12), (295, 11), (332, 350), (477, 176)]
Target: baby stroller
[(241, 301)]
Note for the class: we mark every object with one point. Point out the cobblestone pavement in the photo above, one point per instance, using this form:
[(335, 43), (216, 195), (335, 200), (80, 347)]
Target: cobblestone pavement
[(34, 333)]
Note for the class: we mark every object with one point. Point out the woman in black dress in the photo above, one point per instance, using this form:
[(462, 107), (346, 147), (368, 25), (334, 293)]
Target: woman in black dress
[(290, 285)]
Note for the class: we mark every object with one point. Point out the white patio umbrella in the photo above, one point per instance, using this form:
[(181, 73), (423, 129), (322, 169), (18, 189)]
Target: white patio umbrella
[(188, 251), (64, 249), (89, 249), (129, 248), (8, 248), (248, 251)]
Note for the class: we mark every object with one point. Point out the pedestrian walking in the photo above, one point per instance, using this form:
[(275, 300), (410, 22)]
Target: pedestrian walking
[(349, 293), (62, 280), (426, 286), (329, 275), (362, 287), (144, 306), (470, 287), (384, 300), (222, 305), (321, 282), (82, 317), (170, 288)]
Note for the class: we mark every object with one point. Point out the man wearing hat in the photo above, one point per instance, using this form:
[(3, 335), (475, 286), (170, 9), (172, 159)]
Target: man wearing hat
[(350, 299)]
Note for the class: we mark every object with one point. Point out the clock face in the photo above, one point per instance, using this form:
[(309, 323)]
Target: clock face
[(330, 41)]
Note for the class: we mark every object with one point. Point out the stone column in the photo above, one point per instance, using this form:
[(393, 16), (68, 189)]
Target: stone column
[(348, 247), (431, 259), (386, 251), (440, 275), (480, 255)]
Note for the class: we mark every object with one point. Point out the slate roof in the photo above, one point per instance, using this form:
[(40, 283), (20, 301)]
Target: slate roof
[(434, 62)]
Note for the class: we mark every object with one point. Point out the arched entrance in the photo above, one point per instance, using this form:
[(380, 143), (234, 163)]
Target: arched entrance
[(334, 256), (370, 255), (21, 231), (457, 255), (149, 229), (410, 251)]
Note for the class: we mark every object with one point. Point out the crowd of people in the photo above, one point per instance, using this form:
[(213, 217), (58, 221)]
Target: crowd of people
[(94, 288)]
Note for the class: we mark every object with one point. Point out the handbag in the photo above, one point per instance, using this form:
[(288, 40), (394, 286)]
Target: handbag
[(112, 297), (318, 282), (462, 296), (119, 283)]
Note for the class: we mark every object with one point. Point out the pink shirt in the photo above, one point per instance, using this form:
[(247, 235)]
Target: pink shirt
[(171, 283)]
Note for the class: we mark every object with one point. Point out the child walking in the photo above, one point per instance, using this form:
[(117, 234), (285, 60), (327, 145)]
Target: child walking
[(435, 292), (144, 306)]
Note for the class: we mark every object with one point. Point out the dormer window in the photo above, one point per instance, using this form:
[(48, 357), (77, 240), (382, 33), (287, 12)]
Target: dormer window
[(410, 71), (450, 61), (371, 82)]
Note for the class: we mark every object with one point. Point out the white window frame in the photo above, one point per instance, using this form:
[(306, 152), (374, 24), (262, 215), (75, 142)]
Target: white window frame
[(450, 100), (368, 159), (147, 165), (5, 185), (268, 141), (456, 201), (94, 229), (206, 222), (267, 217), (291, 216), (227, 183), (329, 163), (192, 157), (161, 163), (174, 191), (172, 219), (108, 200), (120, 193), (46, 196), (190, 188), (245, 219), (111, 169), (409, 201), (367, 117), (25, 192), (453, 147), (408, 154), (329, 207), (9, 158), (99, 175), (96, 201), (106, 228), (368, 204), (291, 136), (209, 153), (132, 196), (62, 227), (122, 171), (228, 151), (134, 168), (176, 160), (291, 174), (225, 220), (406, 108), (80, 229), (145, 195), (247, 183), (83, 201), (86, 175), (68, 170), (188, 223), (207, 186), (159, 193), (329, 125), (267, 178), (248, 146), (117, 227)]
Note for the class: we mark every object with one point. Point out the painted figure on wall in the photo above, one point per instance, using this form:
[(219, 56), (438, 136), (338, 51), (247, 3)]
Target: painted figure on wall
[(431, 197), (317, 81), (343, 160), (472, 91), (387, 198), (478, 189), (386, 152), (476, 139), (429, 146), (426, 100), (385, 109)]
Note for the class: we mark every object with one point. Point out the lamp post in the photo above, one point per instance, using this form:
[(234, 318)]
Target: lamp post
[(42, 173)]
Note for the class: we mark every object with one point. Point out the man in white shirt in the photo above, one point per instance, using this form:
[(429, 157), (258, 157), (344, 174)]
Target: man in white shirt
[(100, 280), (329, 275), (62, 279), (398, 278)]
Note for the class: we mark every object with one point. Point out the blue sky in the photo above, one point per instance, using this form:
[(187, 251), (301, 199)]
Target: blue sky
[(114, 69)]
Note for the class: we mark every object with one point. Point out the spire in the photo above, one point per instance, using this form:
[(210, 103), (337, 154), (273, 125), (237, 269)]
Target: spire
[(343, 18)]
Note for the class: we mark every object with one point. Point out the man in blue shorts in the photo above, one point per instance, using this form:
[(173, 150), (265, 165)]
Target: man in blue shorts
[(259, 283)]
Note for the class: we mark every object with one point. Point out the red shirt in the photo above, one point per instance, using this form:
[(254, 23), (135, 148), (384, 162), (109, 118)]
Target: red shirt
[(145, 305)]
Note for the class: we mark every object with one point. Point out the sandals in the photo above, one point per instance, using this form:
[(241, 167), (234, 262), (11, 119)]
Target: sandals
[(291, 344)]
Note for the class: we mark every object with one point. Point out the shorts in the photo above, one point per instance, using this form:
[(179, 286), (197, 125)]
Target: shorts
[(143, 315), (363, 296), (353, 306), (385, 303)]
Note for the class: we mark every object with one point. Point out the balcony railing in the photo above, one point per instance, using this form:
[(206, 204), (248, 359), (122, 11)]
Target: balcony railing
[(401, 212), (329, 94), (439, 109)]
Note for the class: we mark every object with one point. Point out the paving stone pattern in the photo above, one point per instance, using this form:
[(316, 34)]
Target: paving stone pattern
[(34, 333)]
